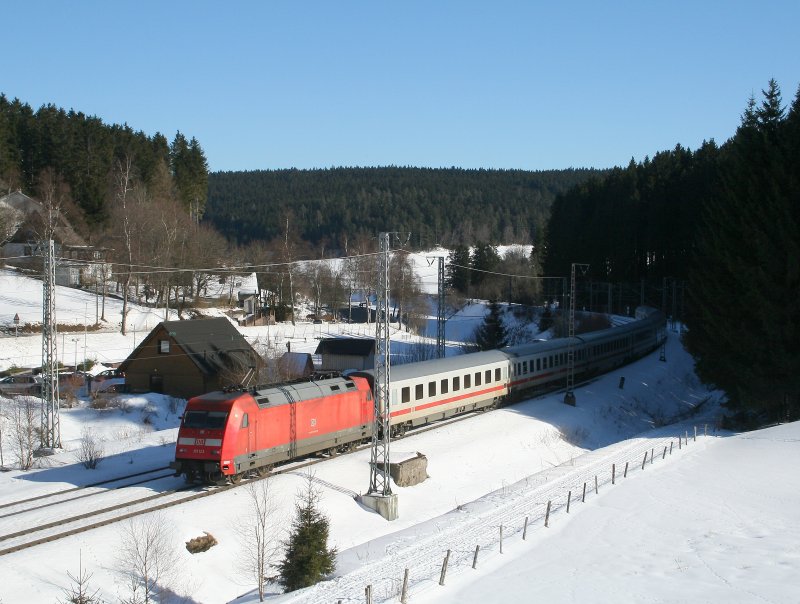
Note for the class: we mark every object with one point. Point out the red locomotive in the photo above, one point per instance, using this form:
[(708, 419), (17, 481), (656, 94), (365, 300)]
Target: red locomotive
[(228, 435)]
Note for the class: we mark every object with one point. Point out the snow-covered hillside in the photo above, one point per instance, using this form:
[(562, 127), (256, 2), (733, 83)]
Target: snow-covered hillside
[(715, 520)]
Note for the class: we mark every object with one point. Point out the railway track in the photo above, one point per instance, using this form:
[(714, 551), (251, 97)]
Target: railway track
[(39, 532)]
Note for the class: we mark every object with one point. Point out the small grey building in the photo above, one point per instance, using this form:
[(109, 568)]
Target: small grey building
[(338, 354)]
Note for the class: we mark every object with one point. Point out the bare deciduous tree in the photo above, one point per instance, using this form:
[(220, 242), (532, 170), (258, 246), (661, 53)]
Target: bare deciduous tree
[(90, 449), (23, 414), (259, 535), (147, 558)]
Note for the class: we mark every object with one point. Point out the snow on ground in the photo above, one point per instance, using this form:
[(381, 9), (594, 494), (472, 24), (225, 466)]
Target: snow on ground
[(715, 521)]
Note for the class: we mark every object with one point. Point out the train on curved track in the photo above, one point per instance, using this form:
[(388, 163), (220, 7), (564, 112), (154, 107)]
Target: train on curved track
[(227, 435)]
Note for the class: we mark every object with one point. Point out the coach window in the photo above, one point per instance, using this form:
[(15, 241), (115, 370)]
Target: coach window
[(431, 388), (406, 392), (467, 381), (444, 386), (419, 392), (478, 378), (487, 376), (497, 375), (456, 383), (525, 367)]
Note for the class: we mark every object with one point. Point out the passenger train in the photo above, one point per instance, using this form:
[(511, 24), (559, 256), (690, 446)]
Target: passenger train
[(228, 435)]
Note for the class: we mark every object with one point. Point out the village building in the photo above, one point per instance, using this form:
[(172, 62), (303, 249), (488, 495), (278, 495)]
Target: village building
[(187, 358), (340, 354)]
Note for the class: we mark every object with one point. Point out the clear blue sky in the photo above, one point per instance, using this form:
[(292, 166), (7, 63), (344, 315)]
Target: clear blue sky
[(501, 84)]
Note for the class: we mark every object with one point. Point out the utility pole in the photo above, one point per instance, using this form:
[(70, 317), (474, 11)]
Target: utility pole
[(50, 424), (569, 396), (440, 337), (379, 497)]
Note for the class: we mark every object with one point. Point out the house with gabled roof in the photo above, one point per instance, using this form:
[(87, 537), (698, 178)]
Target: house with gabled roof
[(187, 358), (78, 264)]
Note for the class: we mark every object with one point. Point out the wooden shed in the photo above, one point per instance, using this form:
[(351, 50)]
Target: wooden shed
[(187, 358)]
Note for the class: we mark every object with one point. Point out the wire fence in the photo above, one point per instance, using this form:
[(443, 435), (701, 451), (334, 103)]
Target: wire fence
[(465, 537)]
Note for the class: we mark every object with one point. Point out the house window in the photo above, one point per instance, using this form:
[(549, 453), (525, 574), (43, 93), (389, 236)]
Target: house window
[(163, 346)]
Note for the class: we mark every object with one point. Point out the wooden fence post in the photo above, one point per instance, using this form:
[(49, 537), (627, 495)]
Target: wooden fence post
[(404, 593), (569, 497), (705, 429), (547, 515), (475, 557), (625, 475), (444, 568), (687, 437), (583, 498), (525, 529), (652, 451), (664, 455), (368, 594), (644, 461), (695, 434), (501, 538), (670, 447), (680, 445), (613, 473), (595, 484)]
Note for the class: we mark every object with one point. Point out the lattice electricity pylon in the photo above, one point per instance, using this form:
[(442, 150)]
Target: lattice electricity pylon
[(50, 426), (440, 337), (379, 480), (569, 396)]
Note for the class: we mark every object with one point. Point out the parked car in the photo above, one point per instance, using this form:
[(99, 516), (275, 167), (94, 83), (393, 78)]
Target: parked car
[(105, 379), (21, 384)]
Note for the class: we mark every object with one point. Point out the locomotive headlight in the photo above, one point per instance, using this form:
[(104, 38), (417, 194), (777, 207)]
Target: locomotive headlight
[(181, 450), (214, 452)]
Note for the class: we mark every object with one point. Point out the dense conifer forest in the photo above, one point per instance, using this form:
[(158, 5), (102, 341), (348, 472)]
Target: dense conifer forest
[(726, 222), (83, 153), (437, 206)]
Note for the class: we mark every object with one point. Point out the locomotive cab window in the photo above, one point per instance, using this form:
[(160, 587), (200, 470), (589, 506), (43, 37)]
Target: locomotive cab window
[(213, 420), (406, 394), (245, 421), (419, 392)]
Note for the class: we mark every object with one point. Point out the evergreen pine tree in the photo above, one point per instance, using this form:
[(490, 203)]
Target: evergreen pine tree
[(491, 334), (458, 263), (308, 559)]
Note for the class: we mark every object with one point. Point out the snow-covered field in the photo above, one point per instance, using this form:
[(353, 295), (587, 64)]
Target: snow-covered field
[(716, 520)]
